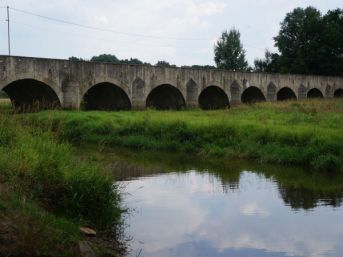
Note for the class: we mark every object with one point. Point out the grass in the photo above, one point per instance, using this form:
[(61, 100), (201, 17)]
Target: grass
[(307, 133), (46, 194)]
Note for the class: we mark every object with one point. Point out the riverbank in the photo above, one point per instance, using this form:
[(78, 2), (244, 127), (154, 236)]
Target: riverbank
[(306, 133), (46, 194)]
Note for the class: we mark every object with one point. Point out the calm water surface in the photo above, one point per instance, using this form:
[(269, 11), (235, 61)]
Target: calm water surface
[(196, 207)]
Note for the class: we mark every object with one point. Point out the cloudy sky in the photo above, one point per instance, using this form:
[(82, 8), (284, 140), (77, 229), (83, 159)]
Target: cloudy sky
[(182, 32)]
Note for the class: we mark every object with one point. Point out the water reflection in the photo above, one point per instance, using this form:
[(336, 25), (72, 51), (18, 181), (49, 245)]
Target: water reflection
[(188, 206)]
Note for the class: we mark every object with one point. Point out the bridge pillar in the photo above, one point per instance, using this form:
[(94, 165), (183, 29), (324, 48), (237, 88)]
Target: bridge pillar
[(71, 95), (138, 104)]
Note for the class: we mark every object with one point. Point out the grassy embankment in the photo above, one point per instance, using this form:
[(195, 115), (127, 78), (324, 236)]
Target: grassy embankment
[(46, 194), (307, 133)]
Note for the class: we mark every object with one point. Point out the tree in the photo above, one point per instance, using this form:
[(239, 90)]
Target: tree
[(133, 61), (270, 63), (310, 43), (299, 41), (333, 38), (229, 52), (105, 58), (206, 67), (73, 58), (165, 64)]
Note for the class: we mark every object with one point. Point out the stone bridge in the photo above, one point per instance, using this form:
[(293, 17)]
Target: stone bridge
[(104, 86)]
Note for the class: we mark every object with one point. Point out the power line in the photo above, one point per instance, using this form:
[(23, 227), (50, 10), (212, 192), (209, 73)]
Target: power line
[(118, 32), (106, 30), (102, 39)]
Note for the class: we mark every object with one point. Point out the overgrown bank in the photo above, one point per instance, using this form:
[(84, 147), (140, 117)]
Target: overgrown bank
[(46, 194), (308, 133)]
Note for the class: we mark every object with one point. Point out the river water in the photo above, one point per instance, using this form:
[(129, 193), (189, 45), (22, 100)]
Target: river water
[(191, 206)]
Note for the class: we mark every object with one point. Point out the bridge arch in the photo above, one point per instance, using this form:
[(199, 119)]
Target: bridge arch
[(253, 95), (314, 93), (286, 93), (31, 95), (213, 98), (165, 97), (106, 96)]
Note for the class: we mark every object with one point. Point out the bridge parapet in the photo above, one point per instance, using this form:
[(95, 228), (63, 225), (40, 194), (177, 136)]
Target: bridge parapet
[(122, 86)]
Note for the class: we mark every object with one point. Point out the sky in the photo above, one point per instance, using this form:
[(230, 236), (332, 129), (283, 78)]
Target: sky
[(182, 32)]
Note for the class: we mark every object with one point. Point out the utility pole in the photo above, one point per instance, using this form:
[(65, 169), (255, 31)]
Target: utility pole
[(8, 30)]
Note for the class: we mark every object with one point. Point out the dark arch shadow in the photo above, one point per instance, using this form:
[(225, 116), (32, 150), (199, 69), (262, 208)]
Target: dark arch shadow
[(253, 95), (31, 95), (314, 93), (165, 97), (285, 93), (106, 97), (213, 98), (338, 93)]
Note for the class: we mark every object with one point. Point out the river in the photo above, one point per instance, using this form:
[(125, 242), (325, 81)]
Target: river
[(192, 206)]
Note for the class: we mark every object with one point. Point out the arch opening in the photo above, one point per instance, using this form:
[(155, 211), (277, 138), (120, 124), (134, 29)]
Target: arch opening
[(253, 95), (165, 97), (213, 98), (338, 93), (286, 93), (106, 97), (31, 95), (314, 93)]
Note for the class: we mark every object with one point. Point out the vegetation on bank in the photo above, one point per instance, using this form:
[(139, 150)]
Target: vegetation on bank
[(46, 194), (307, 133)]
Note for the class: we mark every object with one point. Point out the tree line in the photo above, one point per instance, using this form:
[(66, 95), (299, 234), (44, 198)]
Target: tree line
[(110, 58), (308, 43)]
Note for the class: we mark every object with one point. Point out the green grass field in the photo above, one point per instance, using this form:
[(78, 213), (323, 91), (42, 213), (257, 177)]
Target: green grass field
[(307, 133)]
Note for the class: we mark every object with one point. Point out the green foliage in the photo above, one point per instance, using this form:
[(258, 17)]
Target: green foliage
[(110, 58), (268, 64), (73, 58), (229, 52), (204, 67), (165, 64), (305, 133), (34, 165), (309, 43)]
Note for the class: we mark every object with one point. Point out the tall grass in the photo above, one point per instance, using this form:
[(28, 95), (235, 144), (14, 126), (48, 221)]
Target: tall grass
[(305, 133), (45, 188)]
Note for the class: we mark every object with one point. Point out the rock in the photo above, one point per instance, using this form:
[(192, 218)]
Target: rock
[(84, 249), (88, 231)]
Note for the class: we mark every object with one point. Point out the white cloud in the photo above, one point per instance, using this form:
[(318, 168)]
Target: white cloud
[(258, 22), (251, 209)]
